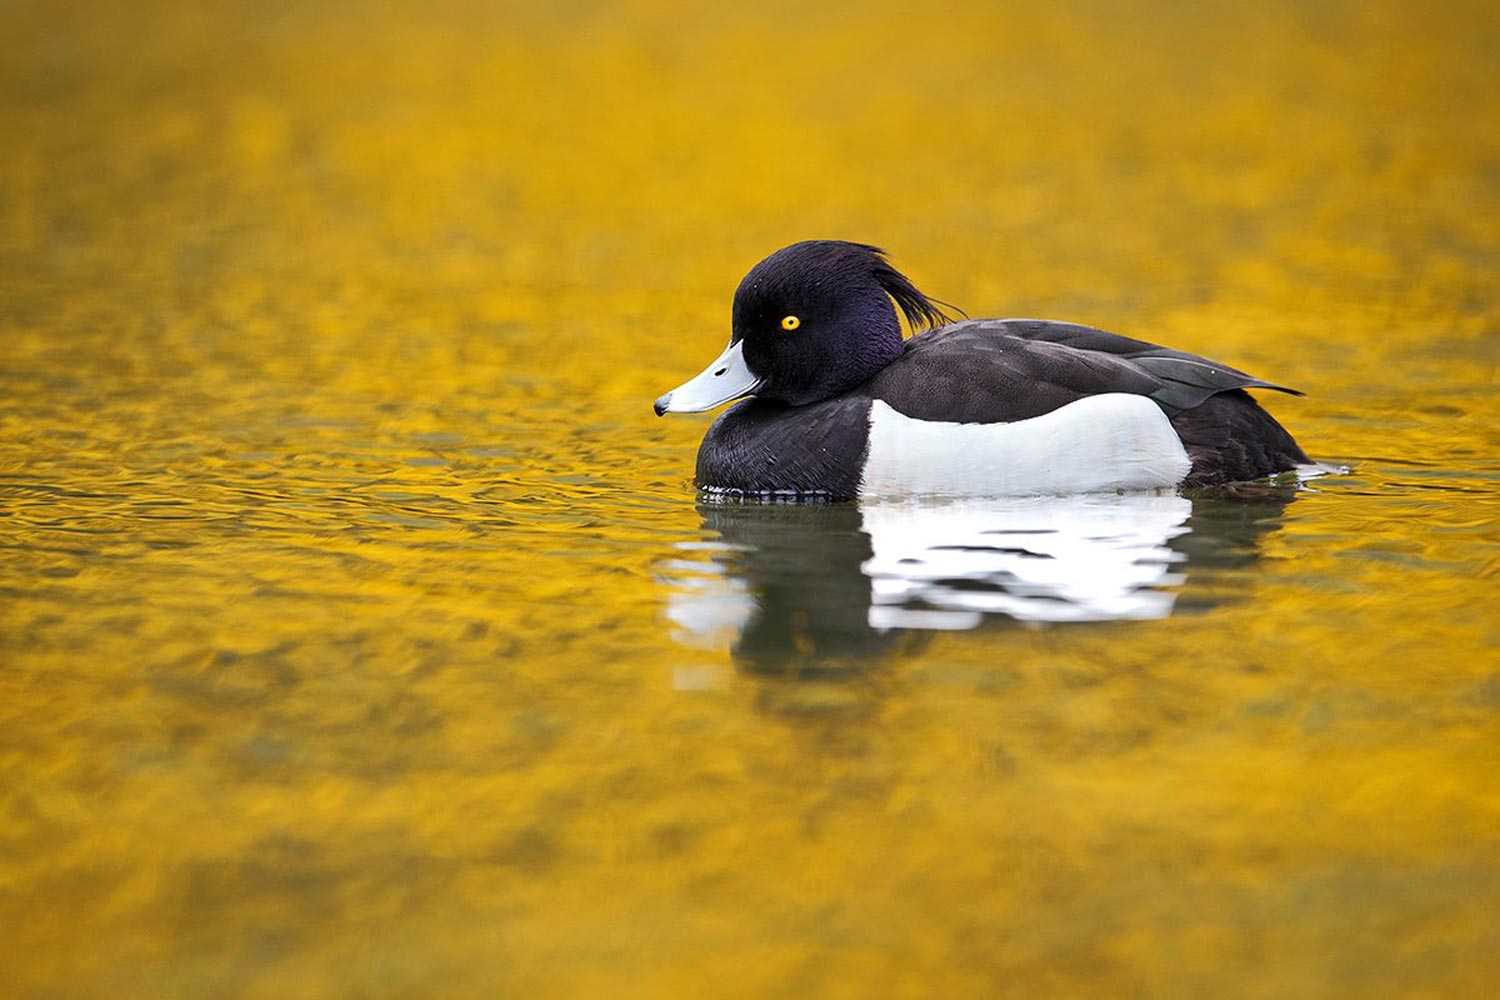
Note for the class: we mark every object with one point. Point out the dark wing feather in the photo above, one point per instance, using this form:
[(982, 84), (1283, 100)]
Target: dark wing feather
[(1000, 371), (1191, 379)]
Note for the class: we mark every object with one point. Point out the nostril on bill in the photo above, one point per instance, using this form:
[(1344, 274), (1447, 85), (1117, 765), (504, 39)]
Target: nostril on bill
[(721, 371)]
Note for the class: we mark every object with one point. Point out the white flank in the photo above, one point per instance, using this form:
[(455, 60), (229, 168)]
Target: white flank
[(1113, 441)]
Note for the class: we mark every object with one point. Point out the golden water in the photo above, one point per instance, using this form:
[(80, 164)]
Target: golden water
[(360, 634)]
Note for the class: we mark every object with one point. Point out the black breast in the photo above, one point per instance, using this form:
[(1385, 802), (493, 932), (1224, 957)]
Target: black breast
[(764, 448)]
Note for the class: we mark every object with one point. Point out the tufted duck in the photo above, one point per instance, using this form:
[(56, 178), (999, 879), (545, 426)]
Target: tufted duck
[(842, 407)]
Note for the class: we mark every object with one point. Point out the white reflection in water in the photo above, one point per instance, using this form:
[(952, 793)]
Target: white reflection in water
[(778, 583), (708, 605), (1096, 557)]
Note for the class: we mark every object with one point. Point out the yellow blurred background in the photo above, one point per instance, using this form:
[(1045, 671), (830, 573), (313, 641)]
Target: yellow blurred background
[(335, 656)]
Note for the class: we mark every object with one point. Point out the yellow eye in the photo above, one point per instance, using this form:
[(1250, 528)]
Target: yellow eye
[(790, 322)]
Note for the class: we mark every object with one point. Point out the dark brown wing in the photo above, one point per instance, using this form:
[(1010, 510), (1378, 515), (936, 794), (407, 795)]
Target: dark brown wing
[(1001, 371)]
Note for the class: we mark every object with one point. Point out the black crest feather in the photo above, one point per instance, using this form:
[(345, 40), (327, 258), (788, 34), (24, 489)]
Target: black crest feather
[(921, 311), (833, 261)]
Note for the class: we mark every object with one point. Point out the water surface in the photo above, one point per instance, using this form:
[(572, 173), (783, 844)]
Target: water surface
[(361, 634)]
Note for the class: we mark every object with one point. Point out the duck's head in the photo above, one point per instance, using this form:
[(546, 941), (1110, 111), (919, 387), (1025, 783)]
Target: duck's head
[(810, 321)]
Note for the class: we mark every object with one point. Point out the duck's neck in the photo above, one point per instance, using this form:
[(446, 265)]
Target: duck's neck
[(881, 345)]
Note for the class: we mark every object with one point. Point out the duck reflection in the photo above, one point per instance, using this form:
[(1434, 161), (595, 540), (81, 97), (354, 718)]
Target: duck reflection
[(823, 589)]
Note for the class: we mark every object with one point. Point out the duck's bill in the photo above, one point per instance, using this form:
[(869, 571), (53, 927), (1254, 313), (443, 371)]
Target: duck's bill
[(727, 377)]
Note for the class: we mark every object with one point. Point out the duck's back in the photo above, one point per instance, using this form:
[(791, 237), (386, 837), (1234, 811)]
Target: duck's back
[(1002, 370)]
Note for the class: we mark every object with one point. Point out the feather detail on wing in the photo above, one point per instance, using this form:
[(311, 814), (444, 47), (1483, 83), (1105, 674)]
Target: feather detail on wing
[(993, 371)]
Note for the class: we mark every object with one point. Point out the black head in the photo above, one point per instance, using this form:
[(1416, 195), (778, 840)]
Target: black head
[(817, 319)]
